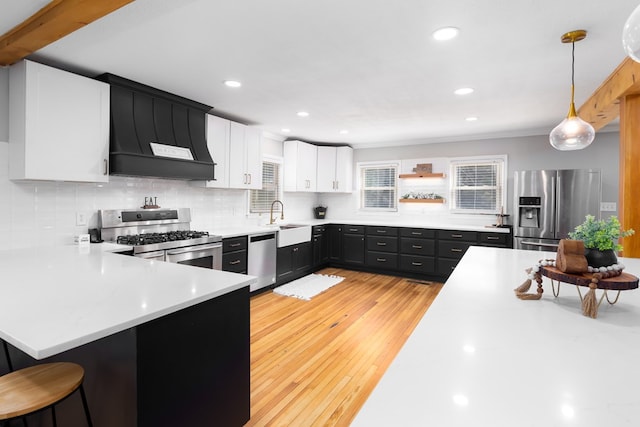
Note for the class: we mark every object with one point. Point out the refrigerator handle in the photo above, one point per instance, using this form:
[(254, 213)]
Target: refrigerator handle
[(556, 206)]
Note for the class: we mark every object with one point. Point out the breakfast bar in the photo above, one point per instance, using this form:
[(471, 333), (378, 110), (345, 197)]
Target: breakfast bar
[(160, 342), (480, 356)]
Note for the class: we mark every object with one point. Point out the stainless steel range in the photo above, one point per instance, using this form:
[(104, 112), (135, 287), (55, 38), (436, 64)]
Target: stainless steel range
[(161, 234)]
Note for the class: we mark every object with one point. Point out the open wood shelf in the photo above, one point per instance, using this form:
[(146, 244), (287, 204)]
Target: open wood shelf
[(422, 200), (423, 175)]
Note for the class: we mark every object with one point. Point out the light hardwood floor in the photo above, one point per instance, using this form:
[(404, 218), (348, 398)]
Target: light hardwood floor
[(314, 363)]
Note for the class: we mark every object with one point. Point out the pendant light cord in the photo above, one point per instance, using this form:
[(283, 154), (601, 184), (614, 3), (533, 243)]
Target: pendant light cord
[(573, 65)]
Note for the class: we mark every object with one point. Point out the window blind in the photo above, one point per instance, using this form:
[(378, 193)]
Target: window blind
[(271, 189), (477, 187), (378, 187)]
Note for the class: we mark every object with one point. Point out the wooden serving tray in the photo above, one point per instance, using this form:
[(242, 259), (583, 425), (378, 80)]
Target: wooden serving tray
[(623, 282)]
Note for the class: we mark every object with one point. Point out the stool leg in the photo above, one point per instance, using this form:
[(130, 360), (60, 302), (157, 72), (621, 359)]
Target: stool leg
[(86, 406), (6, 355), (53, 416)]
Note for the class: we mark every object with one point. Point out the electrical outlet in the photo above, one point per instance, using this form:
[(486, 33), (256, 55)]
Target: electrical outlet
[(608, 206), (81, 218)]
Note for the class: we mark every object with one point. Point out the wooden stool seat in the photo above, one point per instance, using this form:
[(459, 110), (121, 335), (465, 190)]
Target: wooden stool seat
[(37, 387)]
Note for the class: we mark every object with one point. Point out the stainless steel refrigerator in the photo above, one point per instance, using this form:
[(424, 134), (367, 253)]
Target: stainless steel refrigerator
[(548, 204)]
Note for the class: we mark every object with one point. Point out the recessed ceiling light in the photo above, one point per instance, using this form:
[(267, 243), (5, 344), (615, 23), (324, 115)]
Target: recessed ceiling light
[(232, 83), (463, 91), (471, 119), (285, 130), (344, 132), (302, 114), (445, 33)]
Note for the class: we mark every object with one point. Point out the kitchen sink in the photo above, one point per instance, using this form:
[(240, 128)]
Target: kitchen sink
[(291, 234)]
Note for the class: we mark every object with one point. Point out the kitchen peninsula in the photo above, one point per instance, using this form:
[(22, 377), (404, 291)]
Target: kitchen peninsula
[(482, 357), (160, 342)]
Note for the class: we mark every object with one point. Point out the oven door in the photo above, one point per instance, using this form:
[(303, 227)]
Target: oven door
[(206, 256), (155, 255)]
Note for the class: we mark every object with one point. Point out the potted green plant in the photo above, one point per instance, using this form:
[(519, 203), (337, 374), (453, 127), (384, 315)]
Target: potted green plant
[(601, 239)]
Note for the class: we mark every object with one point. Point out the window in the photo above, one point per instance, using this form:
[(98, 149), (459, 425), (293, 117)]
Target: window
[(477, 185), (378, 184), (260, 200)]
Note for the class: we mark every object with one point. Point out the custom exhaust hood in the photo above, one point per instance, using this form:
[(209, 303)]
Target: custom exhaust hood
[(156, 134)]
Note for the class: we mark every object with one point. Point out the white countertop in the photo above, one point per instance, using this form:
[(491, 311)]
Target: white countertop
[(482, 357), (391, 222), (53, 299)]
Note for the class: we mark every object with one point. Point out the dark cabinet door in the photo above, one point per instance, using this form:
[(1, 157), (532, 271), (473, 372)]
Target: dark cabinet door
[(353, 249), (284, 263), (320, 247), (334, 234), (301, 257)]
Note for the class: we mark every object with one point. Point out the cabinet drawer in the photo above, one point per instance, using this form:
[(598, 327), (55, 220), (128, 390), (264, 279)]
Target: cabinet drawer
[(424, 247), (465, 236), (382, 231), (382, 260), (445, 266), (318, 229), (234, 244), (418, 232), (382, 244), (235, 262), (417, 264), (447, 249), (353, 229), (493, 239)]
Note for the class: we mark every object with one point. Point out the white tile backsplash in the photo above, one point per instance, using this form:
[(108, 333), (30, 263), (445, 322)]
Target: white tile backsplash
[(43, 213)]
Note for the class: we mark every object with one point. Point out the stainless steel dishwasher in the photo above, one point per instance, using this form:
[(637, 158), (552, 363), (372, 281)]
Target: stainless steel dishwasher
[(261, 259)]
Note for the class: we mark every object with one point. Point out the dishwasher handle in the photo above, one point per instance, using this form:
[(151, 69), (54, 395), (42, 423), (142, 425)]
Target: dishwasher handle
[(262, 237)]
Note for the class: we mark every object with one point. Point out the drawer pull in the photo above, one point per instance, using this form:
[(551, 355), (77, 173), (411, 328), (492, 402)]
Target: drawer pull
[(235, 245), (236, 262), (353, 229), (381, 259), (418, 264), (416, 233), (381, 231), (492, 238), (456, 250), (381, 243), (456, 236), (416, 246)]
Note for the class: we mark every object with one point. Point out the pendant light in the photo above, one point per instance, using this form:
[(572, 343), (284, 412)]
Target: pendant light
[(631, 35), (572, 133)]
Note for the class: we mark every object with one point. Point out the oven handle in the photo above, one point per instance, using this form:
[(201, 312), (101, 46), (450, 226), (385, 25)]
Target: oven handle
[(193, 249)]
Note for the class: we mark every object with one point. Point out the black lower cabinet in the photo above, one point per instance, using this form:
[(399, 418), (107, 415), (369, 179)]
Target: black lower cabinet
[(353, 249), (320, 246), (293, 262), (334, 235)]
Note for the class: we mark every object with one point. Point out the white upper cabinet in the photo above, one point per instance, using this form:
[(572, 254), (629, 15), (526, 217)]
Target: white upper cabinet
[(335, 169), (300, 163), (58, 125), (218, 143), (245, 157)]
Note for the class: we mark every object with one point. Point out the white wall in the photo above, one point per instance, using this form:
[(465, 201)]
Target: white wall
[(4, 104), (522, 153)]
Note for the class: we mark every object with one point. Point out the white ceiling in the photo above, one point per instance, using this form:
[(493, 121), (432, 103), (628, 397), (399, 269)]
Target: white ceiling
[(369, 66)]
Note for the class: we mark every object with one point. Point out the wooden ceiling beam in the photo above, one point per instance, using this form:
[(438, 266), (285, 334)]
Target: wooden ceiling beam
[(51, 23), (603, 105)]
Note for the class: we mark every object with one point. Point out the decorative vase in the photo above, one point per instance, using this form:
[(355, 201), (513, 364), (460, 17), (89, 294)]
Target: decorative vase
[(598, 258)]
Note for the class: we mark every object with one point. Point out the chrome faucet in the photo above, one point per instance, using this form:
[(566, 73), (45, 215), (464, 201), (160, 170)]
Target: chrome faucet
[(271, 219)]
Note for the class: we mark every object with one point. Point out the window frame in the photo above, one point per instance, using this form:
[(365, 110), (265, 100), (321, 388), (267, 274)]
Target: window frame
[(361, 167), (280, 191), (501, 183)]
